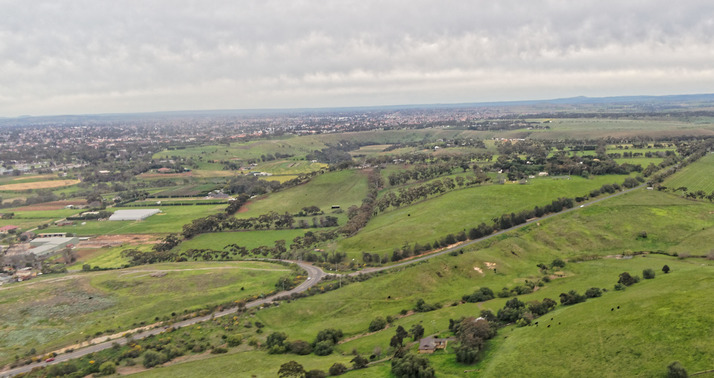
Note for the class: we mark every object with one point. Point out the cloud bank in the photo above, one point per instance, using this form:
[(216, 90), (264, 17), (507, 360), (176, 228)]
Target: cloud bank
[(101, 56)]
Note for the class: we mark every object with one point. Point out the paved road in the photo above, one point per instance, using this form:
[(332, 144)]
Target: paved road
[(315, 274)]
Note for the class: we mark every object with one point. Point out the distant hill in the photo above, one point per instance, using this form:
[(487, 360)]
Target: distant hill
[(660, 102)]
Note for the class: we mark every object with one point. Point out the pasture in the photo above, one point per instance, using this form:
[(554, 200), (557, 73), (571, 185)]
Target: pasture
[(342, 188), (696, 176), (50, 312), (462, 209), (634, 340)]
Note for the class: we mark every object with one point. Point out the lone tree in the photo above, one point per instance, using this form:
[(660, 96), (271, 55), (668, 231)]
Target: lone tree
[(291, 369), (417, 332), (627, 280), (648, 274), (665, 269), (676, 370)]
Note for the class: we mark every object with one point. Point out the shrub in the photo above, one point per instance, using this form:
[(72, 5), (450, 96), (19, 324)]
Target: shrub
[(234, 340), (331, 334), (152, 359), (676, 370), (300, 347), (337, 369), (648, 274), (315, 374), (324, 348), (377, 324), (620, 287), (422, 306), (359, 362), (593, 292), (480, 295), (557, 263), (571, 298), (628, 280), (665, 269)]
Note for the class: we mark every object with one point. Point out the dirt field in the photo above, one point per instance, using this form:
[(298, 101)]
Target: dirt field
[(38, 185), (54, 205), (117, 240)]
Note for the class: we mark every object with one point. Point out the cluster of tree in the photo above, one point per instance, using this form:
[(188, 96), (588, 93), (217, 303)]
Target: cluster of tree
[(454, 160), (359, 216), (425, 172), (407, 365), (480, 295), (270, 220), (626, 279), (333, 155), (509, 220), (323, 345), (647, 154), (310, 239), (409, 195), (688, 153), (471, 333), (506, 124), (309, 211), (422, 306), (91, 215)]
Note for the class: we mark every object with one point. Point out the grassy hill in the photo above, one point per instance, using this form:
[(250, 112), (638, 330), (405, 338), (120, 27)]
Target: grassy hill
[(659, 320)]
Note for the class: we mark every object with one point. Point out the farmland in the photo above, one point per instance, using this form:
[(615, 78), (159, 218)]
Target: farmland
[(644, 306), (463, 209), (38, 185), (37, 315), (695, 177), (385, 191), (171, 219)]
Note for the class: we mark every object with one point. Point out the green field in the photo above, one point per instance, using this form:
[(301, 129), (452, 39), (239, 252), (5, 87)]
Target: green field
[(51, 312), (696, 176), (618, 342), (106, 257), (171, 219), (342, 188), (462, 209)]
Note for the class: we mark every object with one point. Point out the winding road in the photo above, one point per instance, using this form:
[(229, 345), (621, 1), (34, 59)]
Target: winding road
[(314, 273)]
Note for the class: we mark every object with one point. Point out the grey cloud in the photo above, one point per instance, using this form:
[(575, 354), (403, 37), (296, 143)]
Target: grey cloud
[(80, 56)]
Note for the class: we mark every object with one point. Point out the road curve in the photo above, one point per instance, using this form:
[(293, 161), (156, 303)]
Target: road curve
[(315, 274)]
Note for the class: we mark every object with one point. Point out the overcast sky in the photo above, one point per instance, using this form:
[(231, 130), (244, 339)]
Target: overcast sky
[(62, 57)]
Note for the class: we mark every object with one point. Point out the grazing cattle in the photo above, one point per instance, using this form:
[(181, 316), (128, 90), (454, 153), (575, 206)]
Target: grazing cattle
[(612, 309)]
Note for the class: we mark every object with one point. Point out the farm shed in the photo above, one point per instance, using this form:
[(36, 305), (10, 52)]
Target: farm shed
[(133, 215)]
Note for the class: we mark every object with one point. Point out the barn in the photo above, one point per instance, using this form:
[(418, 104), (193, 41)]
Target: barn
[(133, 215)]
